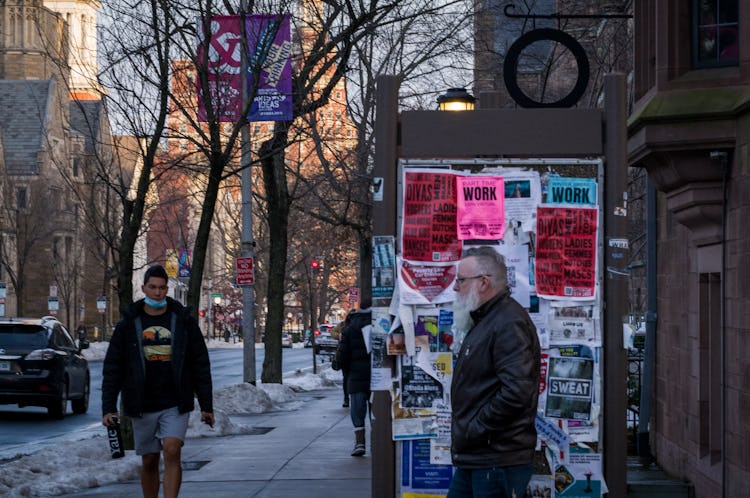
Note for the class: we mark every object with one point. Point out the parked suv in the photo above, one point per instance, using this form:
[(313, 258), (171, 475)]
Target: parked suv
[(40, 365)]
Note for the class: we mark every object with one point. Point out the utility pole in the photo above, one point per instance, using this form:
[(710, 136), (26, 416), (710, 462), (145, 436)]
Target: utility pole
[(247, 242)]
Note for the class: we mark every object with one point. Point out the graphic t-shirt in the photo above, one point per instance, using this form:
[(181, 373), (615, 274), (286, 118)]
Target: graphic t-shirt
[(161, 390)]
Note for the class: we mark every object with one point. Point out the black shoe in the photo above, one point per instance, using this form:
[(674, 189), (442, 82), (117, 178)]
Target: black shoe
[(345, 404)]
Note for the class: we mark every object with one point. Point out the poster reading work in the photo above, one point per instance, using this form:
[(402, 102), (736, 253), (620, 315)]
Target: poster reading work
[(429, 217), (481, 211), (565, 264)]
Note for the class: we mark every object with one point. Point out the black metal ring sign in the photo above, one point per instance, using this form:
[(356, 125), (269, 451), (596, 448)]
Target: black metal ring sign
[(510, 67)]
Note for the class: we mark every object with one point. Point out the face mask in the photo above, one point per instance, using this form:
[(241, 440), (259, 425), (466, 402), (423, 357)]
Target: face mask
[(155, 304)]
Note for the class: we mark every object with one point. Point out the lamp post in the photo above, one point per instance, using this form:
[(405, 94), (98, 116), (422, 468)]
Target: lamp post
[(456, 99)]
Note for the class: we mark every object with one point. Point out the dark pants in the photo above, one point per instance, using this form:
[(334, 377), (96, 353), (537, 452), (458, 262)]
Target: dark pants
[(358, 409), (497, 482), (346, 387)]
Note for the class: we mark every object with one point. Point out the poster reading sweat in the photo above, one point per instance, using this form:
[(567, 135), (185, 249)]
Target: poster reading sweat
[(565, 264), (570, 388), (481, 211), (429, 217)]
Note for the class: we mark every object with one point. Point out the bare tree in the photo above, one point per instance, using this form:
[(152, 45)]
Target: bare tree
[(427, 45)]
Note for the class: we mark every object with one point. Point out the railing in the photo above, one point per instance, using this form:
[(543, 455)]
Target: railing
[(635, 368)]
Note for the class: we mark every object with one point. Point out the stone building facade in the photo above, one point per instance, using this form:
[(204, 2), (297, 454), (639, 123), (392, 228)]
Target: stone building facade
[(690, 129), (54, 145)]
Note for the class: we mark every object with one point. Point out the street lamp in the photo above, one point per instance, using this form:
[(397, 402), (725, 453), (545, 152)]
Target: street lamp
[(456, 99)]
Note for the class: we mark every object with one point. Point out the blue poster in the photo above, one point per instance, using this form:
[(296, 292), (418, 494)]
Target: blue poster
[(581, 191), (417, 473)]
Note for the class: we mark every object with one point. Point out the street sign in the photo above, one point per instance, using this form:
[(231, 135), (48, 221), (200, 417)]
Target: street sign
[(101, 304), (245, 274), (53, 305), (353, 295)]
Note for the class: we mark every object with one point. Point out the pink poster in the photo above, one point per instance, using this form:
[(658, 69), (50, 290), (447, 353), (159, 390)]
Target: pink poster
[(481, 207), (223, 63)]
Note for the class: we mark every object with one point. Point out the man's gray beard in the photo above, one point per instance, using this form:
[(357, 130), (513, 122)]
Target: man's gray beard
[(462, 308)]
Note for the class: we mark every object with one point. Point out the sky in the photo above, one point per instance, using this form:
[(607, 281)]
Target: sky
[(40, 469)]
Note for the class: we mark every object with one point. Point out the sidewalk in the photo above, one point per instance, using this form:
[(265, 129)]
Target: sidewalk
[(300, 453)]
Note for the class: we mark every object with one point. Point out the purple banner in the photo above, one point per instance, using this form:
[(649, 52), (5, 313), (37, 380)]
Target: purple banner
[(269, 49), (224, 60), (269, 37)]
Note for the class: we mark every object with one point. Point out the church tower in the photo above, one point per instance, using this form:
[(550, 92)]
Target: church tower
[(80, 16), (33, 44)]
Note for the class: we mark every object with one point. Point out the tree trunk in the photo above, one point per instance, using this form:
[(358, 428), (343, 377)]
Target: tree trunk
[(202, 237), (277, 195), (364, 238)]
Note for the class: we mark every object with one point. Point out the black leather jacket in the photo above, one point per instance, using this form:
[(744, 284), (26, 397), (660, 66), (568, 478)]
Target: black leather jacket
[(495, 388), (124, 372)]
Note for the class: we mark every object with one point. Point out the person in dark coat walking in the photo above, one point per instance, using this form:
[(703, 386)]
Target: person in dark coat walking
[(157, 360), (355, 364)]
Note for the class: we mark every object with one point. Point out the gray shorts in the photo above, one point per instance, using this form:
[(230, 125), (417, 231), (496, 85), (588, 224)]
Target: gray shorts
[(152, 427)]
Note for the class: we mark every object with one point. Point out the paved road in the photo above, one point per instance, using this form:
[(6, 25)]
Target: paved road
[(21, 426)]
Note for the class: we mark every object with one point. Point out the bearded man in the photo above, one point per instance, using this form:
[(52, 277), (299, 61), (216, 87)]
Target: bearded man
[(495, 385)]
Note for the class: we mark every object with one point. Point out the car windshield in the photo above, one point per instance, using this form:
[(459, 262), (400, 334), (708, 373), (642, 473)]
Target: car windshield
[(22, 337)]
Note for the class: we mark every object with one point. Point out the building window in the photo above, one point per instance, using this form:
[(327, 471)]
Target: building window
[(709, 388), (715, 33), (76, 167), (56, 249), (22, 198)]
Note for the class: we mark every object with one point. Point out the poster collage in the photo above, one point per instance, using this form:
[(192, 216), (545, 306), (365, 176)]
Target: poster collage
[(547, 228)]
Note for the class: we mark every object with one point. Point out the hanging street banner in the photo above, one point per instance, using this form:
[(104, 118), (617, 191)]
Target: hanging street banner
[(184, 261), (481, 207), (429, 217), (565, 265), (269, 48), (270, 40), (223, 69)]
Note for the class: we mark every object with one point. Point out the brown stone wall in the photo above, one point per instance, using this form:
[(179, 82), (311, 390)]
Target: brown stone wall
[(677, 419)]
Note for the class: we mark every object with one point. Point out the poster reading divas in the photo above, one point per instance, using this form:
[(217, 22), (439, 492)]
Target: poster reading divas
[(565, 264), (428, 230)]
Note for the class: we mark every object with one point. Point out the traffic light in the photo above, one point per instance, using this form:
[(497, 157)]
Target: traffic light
[(202, 313), (315, 264)]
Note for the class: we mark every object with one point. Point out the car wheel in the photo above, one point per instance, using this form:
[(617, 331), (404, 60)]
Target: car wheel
[(81, 405), (58, 407)]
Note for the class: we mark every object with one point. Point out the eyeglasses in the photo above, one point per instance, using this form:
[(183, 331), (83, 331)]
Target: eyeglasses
[(460, 281)]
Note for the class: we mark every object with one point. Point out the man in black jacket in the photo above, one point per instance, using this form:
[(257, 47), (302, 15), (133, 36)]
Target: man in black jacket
[(158, 361), (495, 384), (355, 364)]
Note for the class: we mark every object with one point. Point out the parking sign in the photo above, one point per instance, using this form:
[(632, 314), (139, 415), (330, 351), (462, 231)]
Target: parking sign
[(245, 274)]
